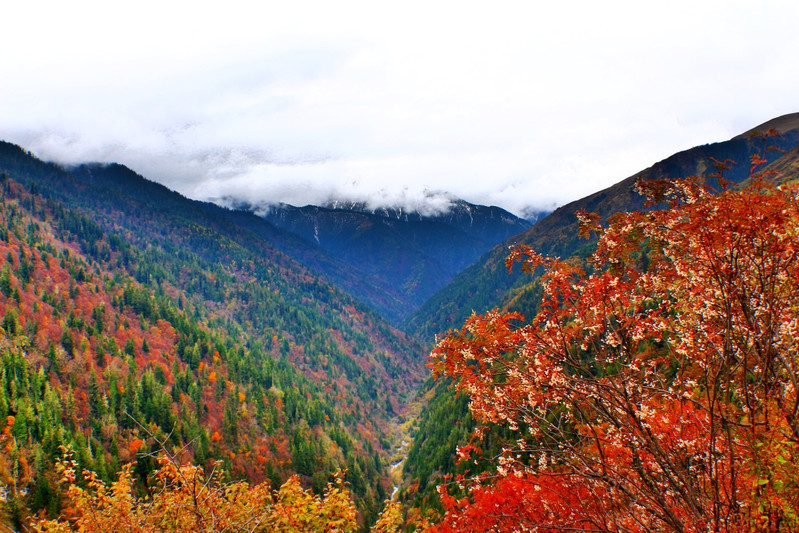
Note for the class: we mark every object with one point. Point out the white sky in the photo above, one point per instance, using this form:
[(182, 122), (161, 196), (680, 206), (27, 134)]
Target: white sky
[(515, 104)]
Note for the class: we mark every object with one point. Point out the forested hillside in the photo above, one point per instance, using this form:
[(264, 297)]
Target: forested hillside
[(409, 255), (132, 315), (486, 283)]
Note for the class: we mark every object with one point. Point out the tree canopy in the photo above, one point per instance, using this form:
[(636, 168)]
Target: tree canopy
[(656, 388)]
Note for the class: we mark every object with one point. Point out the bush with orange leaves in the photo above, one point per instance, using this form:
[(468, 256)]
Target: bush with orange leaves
[(184, 499)]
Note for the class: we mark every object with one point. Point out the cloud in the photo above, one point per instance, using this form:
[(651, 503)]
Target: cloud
[(516, 104)]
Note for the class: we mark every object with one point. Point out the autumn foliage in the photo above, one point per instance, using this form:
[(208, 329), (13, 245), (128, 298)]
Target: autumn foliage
[(654, 390), (127, 311), (183, 498)]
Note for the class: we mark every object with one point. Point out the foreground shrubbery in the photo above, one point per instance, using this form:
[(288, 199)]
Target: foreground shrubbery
[(183, 498)]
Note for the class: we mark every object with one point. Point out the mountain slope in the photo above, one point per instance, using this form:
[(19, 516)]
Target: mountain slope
[(407, 254), (125, 297), (386, 300), (486, 283)]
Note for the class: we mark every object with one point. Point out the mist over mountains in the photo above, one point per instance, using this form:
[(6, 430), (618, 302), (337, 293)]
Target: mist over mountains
[(276, 338), (487, 283), (429, 205), (410, 253)]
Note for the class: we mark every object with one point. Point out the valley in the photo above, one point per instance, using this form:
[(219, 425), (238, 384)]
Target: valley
[(267, 341)]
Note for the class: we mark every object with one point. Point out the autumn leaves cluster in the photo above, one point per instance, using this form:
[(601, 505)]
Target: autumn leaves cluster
[(656, 388), (183, 498)]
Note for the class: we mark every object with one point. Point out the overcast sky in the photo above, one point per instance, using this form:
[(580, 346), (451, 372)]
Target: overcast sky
[(515, 104)]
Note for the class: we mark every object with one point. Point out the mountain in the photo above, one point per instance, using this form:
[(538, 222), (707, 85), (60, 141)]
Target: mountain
[(409, 255), (133, 317), (446, 422), (487, 284)]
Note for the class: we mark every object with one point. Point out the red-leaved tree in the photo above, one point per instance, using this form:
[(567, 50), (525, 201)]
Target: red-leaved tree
[(657, 392)]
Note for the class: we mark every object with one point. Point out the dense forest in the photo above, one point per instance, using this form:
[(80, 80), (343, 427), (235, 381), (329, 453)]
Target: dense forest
[(131, 317), (170, 365)]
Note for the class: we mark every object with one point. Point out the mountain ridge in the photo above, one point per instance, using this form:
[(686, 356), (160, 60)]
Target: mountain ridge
[(410, 254), (483, 284)]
